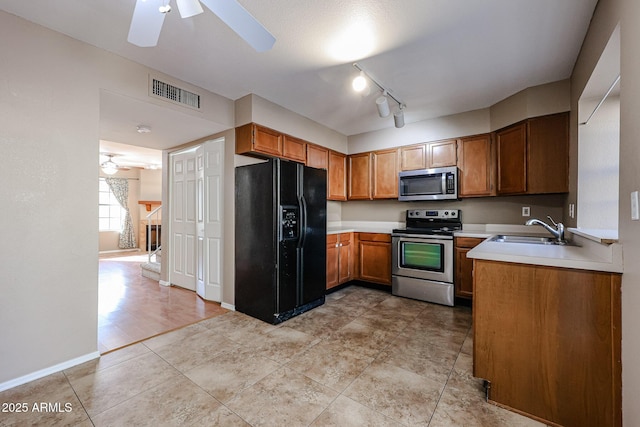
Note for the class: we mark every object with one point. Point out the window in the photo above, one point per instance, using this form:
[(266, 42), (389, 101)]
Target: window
[(110, 213)]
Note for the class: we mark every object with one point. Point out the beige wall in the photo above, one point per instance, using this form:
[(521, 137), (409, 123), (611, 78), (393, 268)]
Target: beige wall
[(253, 108), (532, 102), (630, 230), (485, 210), (606, 17), (535, 101), (49, 116), (469, 123)]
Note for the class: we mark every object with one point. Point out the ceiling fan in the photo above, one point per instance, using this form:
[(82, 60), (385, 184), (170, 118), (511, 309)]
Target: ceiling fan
[(110, 167), (148, 17)]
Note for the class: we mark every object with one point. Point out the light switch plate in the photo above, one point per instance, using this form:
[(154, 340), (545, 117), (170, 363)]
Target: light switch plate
[(635, 212)]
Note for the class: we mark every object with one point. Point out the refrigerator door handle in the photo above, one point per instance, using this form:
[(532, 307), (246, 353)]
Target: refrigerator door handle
[(303, 221)]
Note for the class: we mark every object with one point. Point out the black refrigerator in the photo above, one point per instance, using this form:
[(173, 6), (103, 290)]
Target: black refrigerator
[(280, 236)]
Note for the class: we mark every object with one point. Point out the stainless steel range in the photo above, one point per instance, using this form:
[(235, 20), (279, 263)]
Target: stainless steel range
[(422, 255)]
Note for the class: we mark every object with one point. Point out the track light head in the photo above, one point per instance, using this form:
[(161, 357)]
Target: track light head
[(398, 118), (359, 83), (383, 105)]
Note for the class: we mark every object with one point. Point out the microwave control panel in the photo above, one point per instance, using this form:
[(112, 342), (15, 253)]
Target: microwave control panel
[(451, 183)]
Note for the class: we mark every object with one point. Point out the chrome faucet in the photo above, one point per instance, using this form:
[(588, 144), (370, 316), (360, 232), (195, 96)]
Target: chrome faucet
[(558, 231)]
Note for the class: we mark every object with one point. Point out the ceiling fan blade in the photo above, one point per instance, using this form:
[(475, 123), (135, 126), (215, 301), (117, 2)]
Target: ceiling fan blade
[(189, 8), (146, 23), (242, 22)]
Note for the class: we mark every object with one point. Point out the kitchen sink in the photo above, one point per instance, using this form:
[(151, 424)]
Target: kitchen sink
[(535, 240)]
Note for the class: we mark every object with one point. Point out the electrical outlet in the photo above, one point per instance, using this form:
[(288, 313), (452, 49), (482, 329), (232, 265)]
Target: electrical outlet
[(526, 211), (635, 213), (572, 210)]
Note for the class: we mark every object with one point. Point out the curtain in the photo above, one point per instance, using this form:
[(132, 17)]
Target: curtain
[(120, 189)]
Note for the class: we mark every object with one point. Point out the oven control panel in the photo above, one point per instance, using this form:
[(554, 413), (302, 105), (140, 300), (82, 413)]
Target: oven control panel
[(435, 214)]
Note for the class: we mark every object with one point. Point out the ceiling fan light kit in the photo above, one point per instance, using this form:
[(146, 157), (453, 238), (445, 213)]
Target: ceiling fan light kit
[(109, 167), (148, 18), (382, 102), (189, 8)]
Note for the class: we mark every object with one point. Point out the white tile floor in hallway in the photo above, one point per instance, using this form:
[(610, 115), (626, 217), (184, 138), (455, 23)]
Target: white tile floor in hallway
[(365, 358)]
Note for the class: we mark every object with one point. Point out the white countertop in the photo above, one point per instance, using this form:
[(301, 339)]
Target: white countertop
[(382, 227), (584, 255), (587, 253)]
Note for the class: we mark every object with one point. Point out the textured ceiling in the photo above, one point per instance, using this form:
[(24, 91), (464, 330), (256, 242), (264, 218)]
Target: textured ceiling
[(440, 57)]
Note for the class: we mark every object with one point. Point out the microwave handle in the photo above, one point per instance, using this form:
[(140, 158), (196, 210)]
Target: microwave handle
[(444, 183)]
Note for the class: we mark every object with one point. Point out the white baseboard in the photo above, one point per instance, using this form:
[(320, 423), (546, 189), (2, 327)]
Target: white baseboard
[(120, 250), (164, 283), (228, 306), (48, 371)]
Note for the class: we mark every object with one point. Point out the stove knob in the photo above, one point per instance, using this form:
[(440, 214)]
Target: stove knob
[(446, 212)]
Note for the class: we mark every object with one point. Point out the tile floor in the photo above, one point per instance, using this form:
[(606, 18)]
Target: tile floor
[(365, 358)]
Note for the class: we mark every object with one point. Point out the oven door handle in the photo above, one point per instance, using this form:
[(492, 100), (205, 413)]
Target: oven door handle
[(421, 237)]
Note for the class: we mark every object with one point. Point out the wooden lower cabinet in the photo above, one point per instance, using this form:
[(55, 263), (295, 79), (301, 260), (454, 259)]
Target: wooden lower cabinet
[(339, 259), (374, 257), (548, 340), (463, 276)]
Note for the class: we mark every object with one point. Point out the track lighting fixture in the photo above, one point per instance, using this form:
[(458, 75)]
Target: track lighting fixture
[(359, 83), (383, 105), (382, 102), (398, 117)]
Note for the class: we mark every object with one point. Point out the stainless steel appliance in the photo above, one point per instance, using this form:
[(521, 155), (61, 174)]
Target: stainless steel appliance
[(422, 256), (428, 184), (280, 249)]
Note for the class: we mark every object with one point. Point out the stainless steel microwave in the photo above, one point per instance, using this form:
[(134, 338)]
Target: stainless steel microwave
[(428, 184)]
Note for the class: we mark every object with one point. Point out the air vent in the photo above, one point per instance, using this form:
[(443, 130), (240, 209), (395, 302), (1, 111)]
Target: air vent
[(175, 94)]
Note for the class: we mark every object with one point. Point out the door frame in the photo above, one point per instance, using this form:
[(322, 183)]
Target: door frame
[(208, 293)]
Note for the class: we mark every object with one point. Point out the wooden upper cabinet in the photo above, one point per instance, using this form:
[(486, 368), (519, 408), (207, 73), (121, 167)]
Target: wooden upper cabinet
[(253, 138), (337, 176), (476, 166), (428, 155), (359, 180), (413, 157), (385, 174), (317, 157), (441, 153), (548, 154), (511, 146), (533, 156), (294, 149)]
